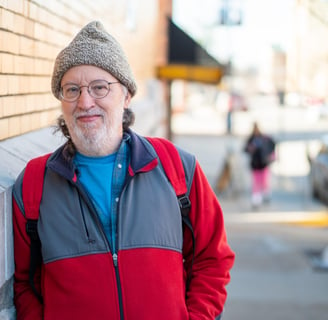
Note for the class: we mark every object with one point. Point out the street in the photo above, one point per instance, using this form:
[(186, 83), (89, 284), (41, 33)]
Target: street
[(278, 246)]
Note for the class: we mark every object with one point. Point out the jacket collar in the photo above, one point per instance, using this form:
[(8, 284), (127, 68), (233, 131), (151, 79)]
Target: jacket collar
[(143, 158)]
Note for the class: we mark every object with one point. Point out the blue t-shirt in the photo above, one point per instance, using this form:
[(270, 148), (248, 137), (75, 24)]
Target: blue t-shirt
[(104, 178), (95, 174)]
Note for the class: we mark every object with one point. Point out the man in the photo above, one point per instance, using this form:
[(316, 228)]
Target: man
[(109, 224)]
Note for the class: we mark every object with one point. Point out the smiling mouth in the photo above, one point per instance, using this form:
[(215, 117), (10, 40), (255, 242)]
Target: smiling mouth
[(88, 117)]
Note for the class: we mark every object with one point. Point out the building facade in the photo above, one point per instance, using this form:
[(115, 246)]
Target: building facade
[(307, 63)]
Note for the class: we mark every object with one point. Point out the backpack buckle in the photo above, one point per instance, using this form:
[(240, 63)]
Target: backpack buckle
[(32, 229), (185, 204)]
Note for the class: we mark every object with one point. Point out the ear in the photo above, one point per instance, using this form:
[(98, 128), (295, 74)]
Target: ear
[(127, 100)]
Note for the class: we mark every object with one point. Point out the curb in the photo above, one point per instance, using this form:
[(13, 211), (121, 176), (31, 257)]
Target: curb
[(317, 219)]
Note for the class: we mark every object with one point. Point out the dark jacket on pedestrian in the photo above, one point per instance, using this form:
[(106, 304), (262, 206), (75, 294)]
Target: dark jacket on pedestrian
[(261, 149)]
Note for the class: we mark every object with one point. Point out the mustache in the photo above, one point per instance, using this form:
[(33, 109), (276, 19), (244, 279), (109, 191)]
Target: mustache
[(88, 113)]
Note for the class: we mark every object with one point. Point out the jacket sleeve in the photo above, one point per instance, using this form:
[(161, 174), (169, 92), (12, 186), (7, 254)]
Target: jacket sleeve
[(213, 256), (27, 305)]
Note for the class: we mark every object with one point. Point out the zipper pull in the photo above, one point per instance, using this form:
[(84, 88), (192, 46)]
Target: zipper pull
[(115, 259)]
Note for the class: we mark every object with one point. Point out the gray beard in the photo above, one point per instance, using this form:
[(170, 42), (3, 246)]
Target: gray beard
[(90, 141)]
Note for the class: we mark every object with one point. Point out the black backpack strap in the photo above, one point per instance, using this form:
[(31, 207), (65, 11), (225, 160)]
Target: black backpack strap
[(174, 170), (32, 188), (35, 256), (185, 206)]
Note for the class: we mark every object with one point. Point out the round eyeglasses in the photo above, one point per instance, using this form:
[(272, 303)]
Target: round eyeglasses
[(97, 89)]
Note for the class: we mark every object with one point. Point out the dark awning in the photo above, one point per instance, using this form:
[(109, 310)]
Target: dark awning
[(187, 60)]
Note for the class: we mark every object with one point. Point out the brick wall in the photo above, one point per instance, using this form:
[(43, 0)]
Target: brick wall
[(32, 32)]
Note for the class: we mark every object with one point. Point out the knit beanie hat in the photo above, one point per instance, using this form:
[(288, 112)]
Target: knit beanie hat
[(93, 46)]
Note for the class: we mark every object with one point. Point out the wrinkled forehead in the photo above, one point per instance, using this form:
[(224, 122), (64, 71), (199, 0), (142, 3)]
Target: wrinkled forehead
[(86, 74)]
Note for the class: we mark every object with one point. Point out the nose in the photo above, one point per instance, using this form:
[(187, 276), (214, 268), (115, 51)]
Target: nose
[(85, 101)]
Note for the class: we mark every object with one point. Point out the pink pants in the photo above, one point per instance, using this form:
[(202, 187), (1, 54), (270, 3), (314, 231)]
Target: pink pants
[(261, 181)]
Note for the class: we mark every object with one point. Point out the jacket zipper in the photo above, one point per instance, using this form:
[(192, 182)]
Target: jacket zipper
[(118, 283), (89, 203), (115, 257), (84, 222), (83, 194)]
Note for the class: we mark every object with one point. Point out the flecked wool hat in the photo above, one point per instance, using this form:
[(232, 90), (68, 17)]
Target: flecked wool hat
[(93, 45)]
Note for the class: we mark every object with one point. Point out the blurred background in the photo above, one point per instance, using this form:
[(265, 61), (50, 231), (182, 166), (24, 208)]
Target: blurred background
[(275, 61), (206, 71)]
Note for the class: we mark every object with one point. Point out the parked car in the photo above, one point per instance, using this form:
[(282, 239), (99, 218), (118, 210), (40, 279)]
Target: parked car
[(319, 172)]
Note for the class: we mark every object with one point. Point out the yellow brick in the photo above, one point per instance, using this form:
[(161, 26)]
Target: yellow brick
[(37, 84), (12, 105), (29, 28), (52, 102), (35, 121), (16, 6), (46, 16), (57, 6), (18, 104), (5, 108), (14, 126), (7, 20), (19, 24), (43, 67), (44, 50), (30, 102), (2, 40), (40, 102), (23, 65), (9, 42), (49, 118), (13, 84), (44, 118), (29, 65), (25, 85), (7, 63), (25, 123), (3, 85), (40, 32), (1, 107), (26, 7), (33, 11), (4, 128), (4, 3), (26, 46)]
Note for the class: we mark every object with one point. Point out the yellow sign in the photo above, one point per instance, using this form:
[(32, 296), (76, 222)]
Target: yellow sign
[(211, 75)]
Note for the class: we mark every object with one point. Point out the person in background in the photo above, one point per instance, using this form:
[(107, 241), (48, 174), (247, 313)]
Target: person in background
[(110, 228), (261, 149)]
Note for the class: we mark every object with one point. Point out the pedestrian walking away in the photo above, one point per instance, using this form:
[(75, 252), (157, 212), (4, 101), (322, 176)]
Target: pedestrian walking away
[(112, 224), (261, 149)]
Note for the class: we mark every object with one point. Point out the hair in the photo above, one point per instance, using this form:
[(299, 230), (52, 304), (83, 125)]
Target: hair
[(256, 129)]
